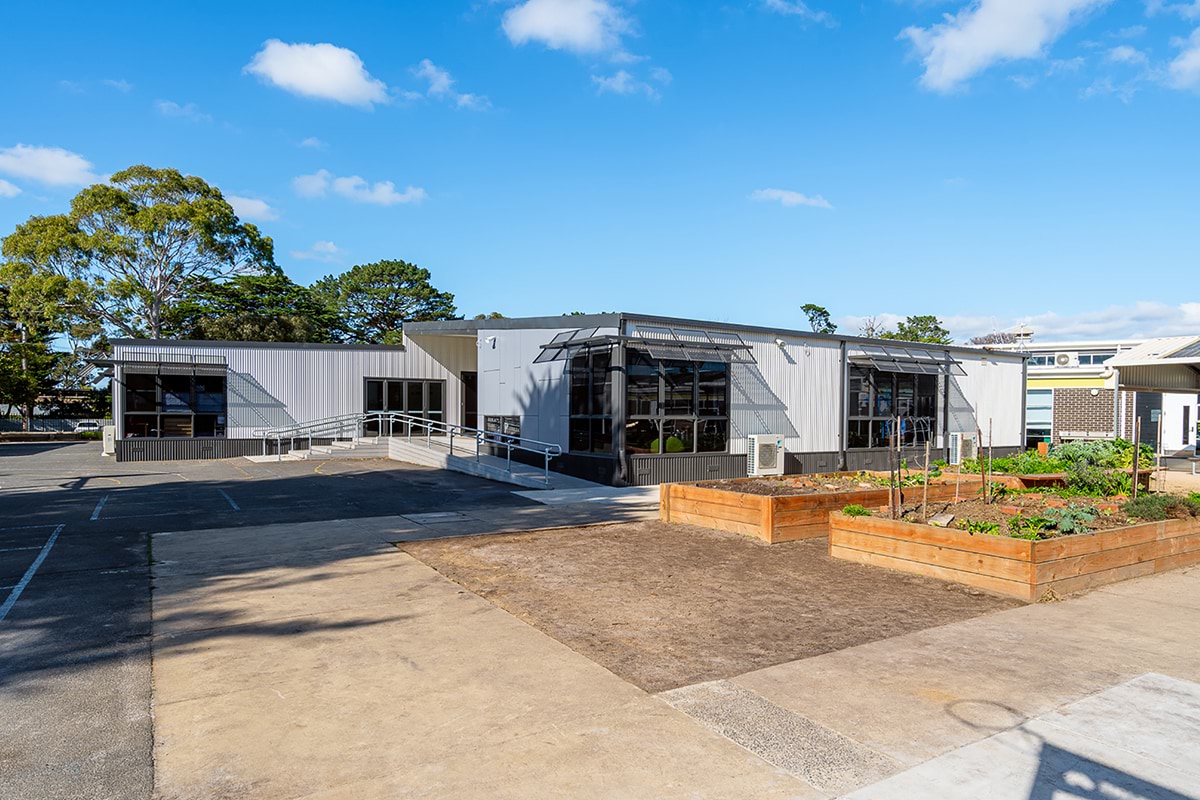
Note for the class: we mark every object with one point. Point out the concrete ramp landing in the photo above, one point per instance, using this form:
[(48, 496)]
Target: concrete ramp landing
[(435, 452)]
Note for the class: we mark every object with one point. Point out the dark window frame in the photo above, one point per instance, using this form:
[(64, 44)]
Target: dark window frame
[(216, 419), (878, 424), (592, 423), (662, 417)]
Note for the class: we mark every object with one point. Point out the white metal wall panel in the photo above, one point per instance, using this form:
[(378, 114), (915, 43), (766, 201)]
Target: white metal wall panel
[(993, 389), (510, 384), (270, 386)]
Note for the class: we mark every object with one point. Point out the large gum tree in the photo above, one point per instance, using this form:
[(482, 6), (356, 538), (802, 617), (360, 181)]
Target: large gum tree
[(133, 246)]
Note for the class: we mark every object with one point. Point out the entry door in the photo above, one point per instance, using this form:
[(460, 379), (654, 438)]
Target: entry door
[(470, 400), (1149, 409)]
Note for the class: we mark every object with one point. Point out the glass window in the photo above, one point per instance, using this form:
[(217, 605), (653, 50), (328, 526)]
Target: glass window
[(141, 392), (176, 392), (641, 385), (395, 395), (641, 436), (174, 405), (679, 389), (210, 395), (712, 436), (876, 398), (435, 407), (415, 393), (684, 406), (713, 395), (141, 426), (601, 435), (591, 402), (375, 396)]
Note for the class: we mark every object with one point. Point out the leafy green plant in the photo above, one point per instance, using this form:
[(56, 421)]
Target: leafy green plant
[(1156, 507), (1088, 479), (982, 526), (941, 464), (855, 510), (1110, 455), (1074, 519), (1023, 527), (92, 435)]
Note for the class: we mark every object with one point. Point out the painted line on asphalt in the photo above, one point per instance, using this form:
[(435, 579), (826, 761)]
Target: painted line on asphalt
[(100, 505), (26, 527), (29, 573), (229, 500), (14, 549)]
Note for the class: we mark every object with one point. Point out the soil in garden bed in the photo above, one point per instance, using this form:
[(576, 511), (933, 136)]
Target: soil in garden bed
[(665, 605), (796, 485), (1003, 510)]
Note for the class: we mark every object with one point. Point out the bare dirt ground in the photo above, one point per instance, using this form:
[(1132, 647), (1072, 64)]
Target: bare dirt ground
[(664, 606), (789, 486)]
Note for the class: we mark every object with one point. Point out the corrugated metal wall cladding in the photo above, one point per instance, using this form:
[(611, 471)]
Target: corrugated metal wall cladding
[(673, 469), (995, 389), (273, 386), (1162, 378)]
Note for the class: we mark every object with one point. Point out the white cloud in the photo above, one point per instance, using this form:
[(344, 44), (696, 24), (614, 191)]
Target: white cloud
[(320, 251), (1062, 66), (252, 208), (355, 188), (1124, 54), (1184, 71), (623, 83), (8, 190), (800, 9), (787, 197), (1186, 10), (120, 84), (441, 85), (1141, 319), (323, 71), (313, 143), (661, 75), (989, 31), (74, 87), (1132, 32), (580, 26), (52, 166), (191, 112)]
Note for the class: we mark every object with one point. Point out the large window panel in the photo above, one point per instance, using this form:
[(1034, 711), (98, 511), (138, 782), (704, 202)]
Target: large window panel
[(641, 385), (591, 403), (676, 407), (876, 398), (182, 406)]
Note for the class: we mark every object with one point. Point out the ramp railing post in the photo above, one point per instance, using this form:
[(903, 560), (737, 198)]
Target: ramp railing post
[(546, 466)]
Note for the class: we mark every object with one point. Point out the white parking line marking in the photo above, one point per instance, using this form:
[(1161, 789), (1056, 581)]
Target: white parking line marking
[(12, 549), (229, 499), (100, 505), (28, 576)]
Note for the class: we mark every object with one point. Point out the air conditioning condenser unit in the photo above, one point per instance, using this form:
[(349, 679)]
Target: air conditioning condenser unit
[(764, 454), (962, 447)]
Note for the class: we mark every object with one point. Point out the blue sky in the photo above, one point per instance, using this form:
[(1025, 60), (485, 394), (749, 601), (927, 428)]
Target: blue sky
[(992, 162)]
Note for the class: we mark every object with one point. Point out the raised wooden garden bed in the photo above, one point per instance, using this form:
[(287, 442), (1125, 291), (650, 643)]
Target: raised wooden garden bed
[(1017, 568), (781, 518), (1050, 480)]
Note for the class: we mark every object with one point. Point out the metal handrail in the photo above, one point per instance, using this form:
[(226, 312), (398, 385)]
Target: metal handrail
[(357, 422)]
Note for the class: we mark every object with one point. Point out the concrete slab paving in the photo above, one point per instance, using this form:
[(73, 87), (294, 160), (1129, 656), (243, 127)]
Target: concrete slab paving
[(917, 696), (358, 673), (821, 757), (1136, 741)]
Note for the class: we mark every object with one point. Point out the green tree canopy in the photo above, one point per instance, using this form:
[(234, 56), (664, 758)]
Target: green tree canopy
[(27, 363), (135, 244), (818, 318), (252, 308), (921, 328), (373, 301)]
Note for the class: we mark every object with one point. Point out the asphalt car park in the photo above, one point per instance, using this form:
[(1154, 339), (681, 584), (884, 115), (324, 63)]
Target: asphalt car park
[(75, 587)]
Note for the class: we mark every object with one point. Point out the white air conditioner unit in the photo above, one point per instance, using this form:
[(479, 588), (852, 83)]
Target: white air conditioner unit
[(109, 437), (962, 447), (1066, 359), (764, 454)]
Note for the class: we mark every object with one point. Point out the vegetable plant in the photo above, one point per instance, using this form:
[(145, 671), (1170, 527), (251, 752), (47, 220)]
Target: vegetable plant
[(1071, 520), (855, 510)]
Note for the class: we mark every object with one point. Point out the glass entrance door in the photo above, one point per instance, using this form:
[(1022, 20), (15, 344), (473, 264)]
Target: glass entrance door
[(416, 398)]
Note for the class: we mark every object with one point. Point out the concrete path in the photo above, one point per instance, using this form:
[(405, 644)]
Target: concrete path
[(881, 708), (1136, 740), (315, 660)]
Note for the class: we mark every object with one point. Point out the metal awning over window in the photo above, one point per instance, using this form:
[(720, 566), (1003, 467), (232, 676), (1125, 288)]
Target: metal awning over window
[(168, 363), (659, 342), (909, 360)]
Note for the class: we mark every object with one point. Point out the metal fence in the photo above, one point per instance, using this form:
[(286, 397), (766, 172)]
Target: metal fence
[(49, 425)]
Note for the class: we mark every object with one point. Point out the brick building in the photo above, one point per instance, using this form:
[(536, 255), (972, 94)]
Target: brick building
[(1072, 394)]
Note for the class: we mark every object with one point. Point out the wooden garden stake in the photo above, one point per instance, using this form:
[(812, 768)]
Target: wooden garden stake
[(925, 491), (990, 490), (1137, 455), (979, 453)]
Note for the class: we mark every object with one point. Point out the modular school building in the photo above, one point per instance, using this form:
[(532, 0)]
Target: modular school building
[(630, 399)]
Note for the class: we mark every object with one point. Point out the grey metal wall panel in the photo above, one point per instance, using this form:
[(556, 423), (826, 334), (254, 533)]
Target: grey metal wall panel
[(994, 388), (271, 386), (652, 470), (510, 384), (184, 449)]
